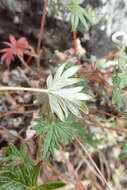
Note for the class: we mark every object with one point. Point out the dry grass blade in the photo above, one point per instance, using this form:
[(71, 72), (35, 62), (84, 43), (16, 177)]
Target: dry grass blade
[(94, 164)]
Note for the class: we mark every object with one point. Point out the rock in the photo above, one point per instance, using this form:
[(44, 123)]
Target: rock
[(22, 18), (115, 12), (14, 6), (113, 20), (19, 17), (94, 3), (99, 44)]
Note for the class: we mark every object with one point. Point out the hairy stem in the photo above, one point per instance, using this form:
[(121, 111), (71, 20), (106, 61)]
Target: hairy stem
[(13, 88), (41, 32)]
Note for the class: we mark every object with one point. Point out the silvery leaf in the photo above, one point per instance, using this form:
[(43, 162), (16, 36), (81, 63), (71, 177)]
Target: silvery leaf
[(64, 97)]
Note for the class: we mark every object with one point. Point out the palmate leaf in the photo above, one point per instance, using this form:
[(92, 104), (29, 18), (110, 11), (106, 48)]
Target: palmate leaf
[(63, 96), (14, 178), (59, 132), (15, 48), (18, 178), (74, 19), (15, 156), (9, 179), (17, 171), (78, 15)]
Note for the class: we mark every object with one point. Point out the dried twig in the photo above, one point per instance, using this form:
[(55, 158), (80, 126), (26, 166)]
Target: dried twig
[(15, 112)]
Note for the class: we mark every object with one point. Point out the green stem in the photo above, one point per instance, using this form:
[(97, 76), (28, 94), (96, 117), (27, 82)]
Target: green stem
[(13, 88)]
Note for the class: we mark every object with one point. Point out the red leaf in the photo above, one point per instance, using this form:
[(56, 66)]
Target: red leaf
[(16, 48), (7, 57), (12, 39)]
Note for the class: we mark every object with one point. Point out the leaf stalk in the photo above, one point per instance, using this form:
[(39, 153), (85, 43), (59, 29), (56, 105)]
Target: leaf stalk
[(13, 88)]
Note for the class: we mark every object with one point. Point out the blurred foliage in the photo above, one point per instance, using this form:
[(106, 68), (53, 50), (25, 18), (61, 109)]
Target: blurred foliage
[(120, 79), (19, 172), (78, 15), (124, 151), (73, 11), (117, 98)]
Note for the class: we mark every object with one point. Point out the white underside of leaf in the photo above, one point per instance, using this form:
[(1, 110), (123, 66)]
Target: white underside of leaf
[(63, 96)]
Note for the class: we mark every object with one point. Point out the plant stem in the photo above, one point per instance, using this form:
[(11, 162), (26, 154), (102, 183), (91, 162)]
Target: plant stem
[(41, 32), (13, 88), (75, 42), (29, 68), (75, 45)]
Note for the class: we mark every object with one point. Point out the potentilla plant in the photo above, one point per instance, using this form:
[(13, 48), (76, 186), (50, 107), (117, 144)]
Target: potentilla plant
[(66, 102), (20, 172), (65, 97)]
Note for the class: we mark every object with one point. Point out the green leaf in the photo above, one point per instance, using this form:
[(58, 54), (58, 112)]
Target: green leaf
[(92, 141), (116, 80), (117, 98), (41, 126), (54, 134), (83, 16), (17, 171), (59, 132), (12, 178), (123, 155), (79, 15), (124, 147), (34, 174), (125, 117), (123, 79), (74, 21), (23, 173), (84, 84), (51, 186)]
